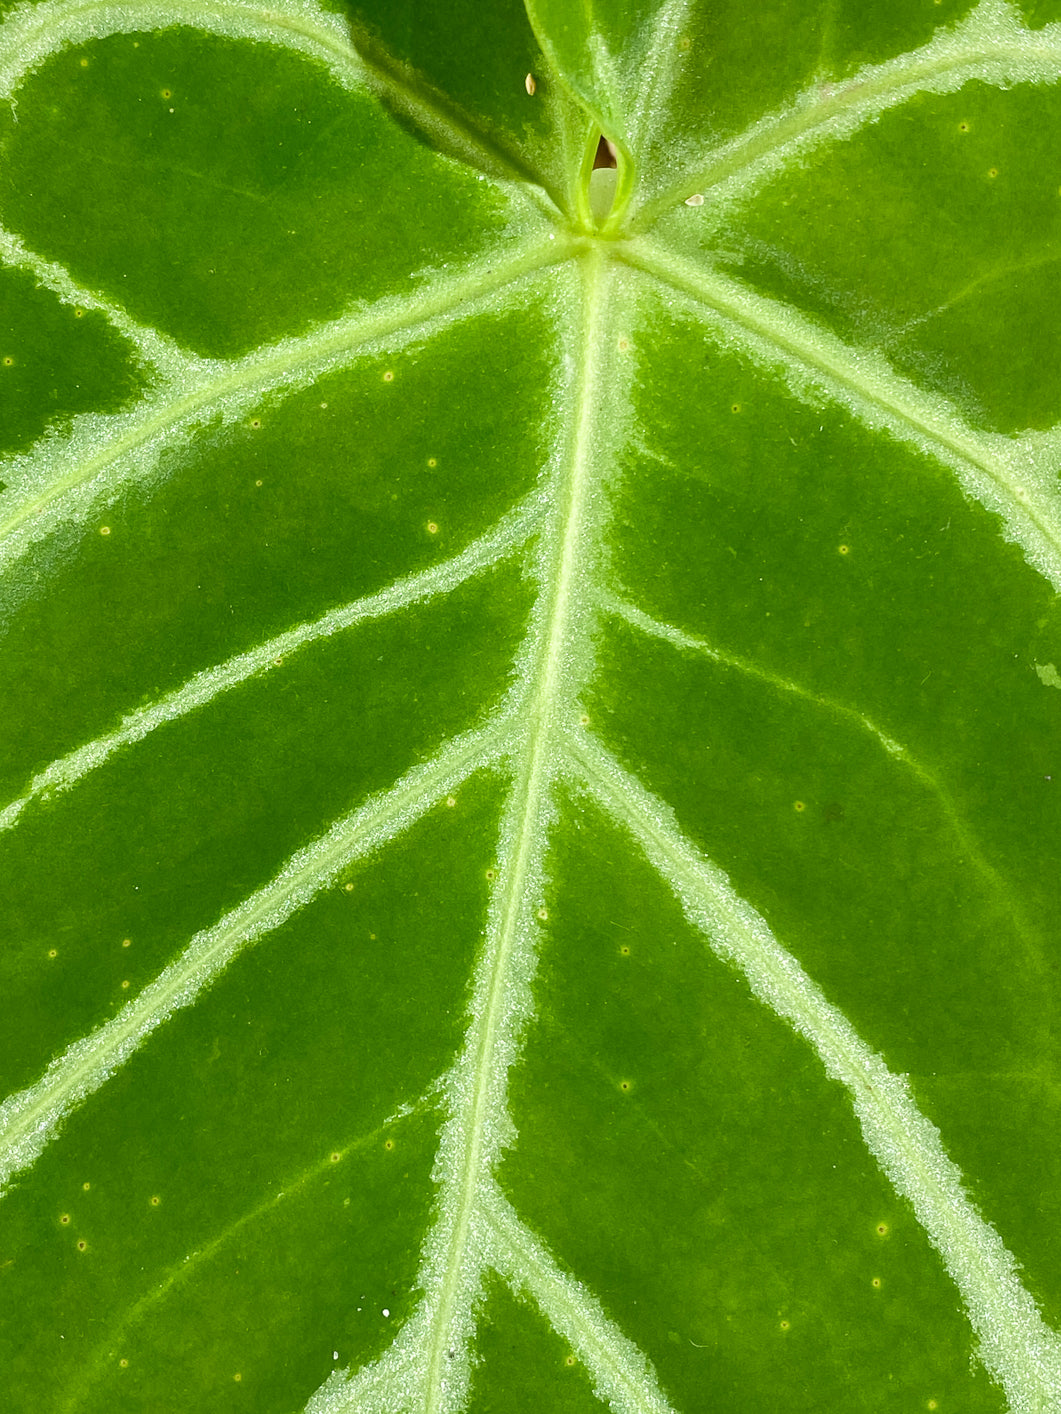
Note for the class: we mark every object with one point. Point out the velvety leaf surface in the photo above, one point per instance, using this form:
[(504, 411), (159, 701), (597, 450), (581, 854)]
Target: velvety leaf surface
[(529, 813)]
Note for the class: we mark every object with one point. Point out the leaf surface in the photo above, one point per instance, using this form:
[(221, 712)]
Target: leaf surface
[(532, 700)]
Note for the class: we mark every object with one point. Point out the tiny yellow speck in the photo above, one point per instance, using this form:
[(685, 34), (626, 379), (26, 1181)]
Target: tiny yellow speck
[(432, 528), (127, 942), (125, 984), (155, 1200), (257, 483), (491, 875), (256, 422), (530, 84), (388, 1144), (86, 1186), (388, 377), (53, 952), (8, 361), (104, 530), (324, 407), (992, 171), (543, 914), (167, 93), (79, 313), (697, 199), (84, 63), (335, 1157), (785, 1325), (124, 1363), (451, 801), (569, 1361), (882, 1229), (624, 951), (798, 806), (237, 1378), (624, 1085), (349, 888), (932, 1404), (432, 461), (735, 407), (875, 1283), (583, 719), (82, 1245), (624, 345), (64, 1218)]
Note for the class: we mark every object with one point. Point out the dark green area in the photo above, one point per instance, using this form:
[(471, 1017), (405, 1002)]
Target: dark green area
[(524, 1364), (263, 1120), (938, 263), (682, 1153), (56, 360), (226, 225), (329, 495)]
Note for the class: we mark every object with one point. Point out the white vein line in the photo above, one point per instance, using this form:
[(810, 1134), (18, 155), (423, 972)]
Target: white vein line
[(662, 59), (622, 1375), (508, 535), (1019, 1350), (1014, 477), (31, 33), (686, 642), (31, 1118), (158, 349), (426, 1369), (991, 44), (63, 476)]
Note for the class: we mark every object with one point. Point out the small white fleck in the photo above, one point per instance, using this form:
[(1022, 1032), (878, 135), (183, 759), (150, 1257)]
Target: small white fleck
[(695, 200), (385, 1311), (335, 1354)]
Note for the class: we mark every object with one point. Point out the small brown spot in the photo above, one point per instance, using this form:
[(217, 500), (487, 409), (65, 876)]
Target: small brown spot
[(82, 1245), (624, 951), (785, 1325), (491, 875), (798, 806), (64, 1218), (237, 1378), (123, 1363), (8, 361), (624, 1085), (388, 377), (256, 422), (335, 1158), (167, 93), (53, 952), (86, 1186), (963, 127), (875, 1283), (155, 1200), (79, 313), (992, 171), (432, 462), (882, 1229), (543, 914), (388, 1144), (843, 549), (735, 408), (569, 1360)]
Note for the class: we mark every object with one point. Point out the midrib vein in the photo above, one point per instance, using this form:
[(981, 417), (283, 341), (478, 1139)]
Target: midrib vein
[(492, 1038), (30, 1118), (865, 384), (230, 388)]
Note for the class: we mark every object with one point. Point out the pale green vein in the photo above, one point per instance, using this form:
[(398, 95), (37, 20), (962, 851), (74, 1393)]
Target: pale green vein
[(1006, 475), (117, 1339), (967, 843), (31, 33), (64, 476), (1021, 1352), (621, 1374), (166, 356), (30, 1119), (481, 555), (427, 1369), (991, 44)]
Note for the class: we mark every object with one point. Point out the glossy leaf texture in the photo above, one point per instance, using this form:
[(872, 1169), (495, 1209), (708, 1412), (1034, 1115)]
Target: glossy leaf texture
[(531, 789)]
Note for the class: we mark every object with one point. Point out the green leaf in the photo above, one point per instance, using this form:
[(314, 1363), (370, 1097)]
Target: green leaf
[(531, 800)]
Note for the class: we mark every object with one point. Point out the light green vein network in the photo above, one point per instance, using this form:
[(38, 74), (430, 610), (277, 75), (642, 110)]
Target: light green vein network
[(534, 736)]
